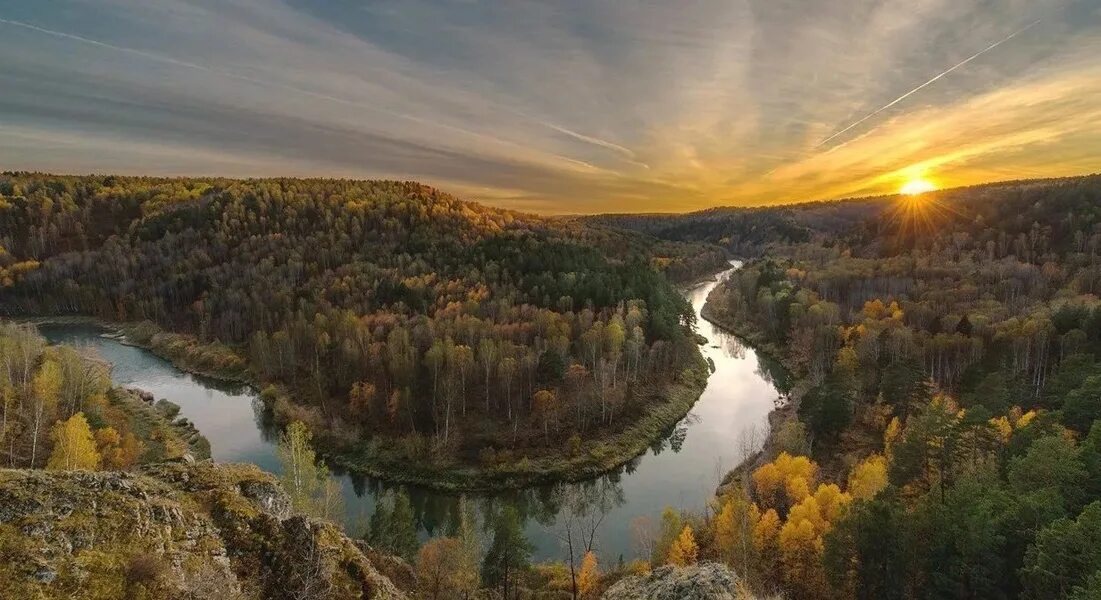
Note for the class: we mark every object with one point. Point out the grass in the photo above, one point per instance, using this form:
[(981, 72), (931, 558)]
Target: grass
[(188, 353)]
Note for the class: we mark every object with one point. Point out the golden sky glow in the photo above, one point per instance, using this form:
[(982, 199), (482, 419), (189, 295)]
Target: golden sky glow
[(560, 107), (917, 186)]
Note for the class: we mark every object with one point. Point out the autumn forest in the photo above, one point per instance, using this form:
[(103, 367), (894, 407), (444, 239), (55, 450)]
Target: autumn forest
[(941, 437)]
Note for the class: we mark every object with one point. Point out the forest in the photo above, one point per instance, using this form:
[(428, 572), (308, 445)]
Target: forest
[(945, 441), (394, 320), (942, 439)]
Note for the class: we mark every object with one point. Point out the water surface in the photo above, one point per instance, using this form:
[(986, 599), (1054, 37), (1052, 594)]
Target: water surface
[(682, 470)]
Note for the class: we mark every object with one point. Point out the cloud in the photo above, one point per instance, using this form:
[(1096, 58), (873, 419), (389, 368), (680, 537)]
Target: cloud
[(573, 106)]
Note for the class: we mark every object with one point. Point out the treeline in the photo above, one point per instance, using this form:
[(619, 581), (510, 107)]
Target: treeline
[(749, 232), (380, 309), (951, 351)]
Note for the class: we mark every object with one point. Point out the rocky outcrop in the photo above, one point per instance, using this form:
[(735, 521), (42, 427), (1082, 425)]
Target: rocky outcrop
[(707, 581), (172, 531)]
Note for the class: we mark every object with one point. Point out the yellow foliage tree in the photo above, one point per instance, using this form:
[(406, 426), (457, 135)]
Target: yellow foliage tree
[(734, 527), (74, 445), (766, 538), (801, 549), (868, 478), (807, 511), (588, 580), (797, 488), (890, 436), (117, 452), (684, 550), (47, 390), (831, 502), (438, 567), (785, 481)]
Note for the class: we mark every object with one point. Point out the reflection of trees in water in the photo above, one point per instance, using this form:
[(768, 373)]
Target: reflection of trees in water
[(774, 373), (265, 421), (676, 440), (731, 345), (439, 513), (673, 437)]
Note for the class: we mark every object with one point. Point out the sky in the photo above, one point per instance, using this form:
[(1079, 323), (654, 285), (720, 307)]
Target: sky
[(559, 107)]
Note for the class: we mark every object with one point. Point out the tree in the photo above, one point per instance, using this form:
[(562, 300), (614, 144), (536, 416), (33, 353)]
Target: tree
[(508, 554), (545, 404), (360, 400), (827, 409), (117, 452), (46, 390), (74, 445), (784, 481), (1065, 555), (470, 547), (393, 527), (684, 550), (588, 581), (734, 527), (867, 551), (439, 569), (868, 478), (671, 527), (487, 360), (1051, 463), (305, 477), (1083, 406)]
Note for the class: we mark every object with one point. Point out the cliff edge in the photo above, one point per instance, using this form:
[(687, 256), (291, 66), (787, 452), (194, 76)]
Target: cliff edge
[(173, 531)]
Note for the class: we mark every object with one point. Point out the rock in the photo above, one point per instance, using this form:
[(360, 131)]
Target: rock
[(705, 581), (45, 575), (145, 396), (203, 530)]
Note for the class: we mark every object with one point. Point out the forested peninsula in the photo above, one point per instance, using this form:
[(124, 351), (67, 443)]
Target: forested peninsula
[(418, 336)]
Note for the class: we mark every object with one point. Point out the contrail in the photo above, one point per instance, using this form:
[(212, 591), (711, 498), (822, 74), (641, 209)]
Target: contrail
[(933, 80)]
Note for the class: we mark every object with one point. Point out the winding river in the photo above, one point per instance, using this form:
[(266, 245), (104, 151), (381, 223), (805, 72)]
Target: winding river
[(729, 422)]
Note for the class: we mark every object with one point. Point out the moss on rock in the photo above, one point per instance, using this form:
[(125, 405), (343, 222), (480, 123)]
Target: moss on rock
[(172, 531)]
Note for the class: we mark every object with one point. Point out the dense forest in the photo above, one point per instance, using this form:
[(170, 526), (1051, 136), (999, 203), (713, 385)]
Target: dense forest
[(747, 232), (946, 442), (396, 321), (942, 441)]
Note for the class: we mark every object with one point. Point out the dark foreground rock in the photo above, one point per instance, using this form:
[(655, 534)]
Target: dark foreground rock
[(707, 581), (172, 531)]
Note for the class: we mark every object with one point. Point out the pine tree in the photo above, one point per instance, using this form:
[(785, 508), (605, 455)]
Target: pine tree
[(510, 552), (393, 528)]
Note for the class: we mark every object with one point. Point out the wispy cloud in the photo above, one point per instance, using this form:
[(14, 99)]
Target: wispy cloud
[(558, 106)]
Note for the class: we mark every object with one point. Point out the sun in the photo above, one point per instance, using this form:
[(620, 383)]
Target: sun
[(917, 186)]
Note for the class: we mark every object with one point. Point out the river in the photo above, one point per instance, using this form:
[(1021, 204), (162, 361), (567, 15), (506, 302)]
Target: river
[(729, 421)]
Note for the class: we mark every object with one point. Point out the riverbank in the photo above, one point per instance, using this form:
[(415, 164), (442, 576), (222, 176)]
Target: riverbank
[(666, 406), (778, 417), (592, 459), (206, 359)]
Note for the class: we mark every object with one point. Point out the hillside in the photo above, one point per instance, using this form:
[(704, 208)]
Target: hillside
[(401, 324), (751, 231), (203, 531), (944, 439)]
